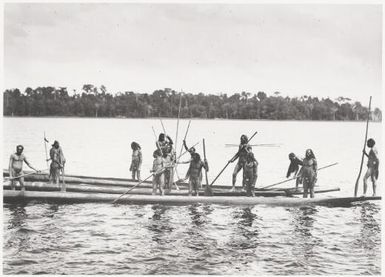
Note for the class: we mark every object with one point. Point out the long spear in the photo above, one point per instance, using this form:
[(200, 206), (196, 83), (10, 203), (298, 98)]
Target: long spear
[(363, 150)]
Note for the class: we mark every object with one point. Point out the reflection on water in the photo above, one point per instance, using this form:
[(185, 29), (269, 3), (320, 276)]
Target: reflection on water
[(159, 224), (199, 217), (246, 230), (369, 228), (194, 239), (304, 240)]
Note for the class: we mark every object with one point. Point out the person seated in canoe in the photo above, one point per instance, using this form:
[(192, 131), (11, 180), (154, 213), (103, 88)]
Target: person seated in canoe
[(373, 165), (244, 148), (157, 170), (163, 142), (57, 164), (250, 174), (16, 167), (136, 161), (309, 173), (195, 172), (295, 162)]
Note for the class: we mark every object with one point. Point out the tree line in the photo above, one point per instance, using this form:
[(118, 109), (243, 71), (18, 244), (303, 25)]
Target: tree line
[(93, 101)]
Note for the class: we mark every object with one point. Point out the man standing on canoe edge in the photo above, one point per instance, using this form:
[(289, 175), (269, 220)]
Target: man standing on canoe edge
[(309, 173), (244, 148), (195, 173), (250, 174), (158, 173), (136, 161), (57, 164), (373, 165), (16, 167)]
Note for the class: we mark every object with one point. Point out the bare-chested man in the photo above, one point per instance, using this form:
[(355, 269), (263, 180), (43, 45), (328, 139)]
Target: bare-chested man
[(16, 167)]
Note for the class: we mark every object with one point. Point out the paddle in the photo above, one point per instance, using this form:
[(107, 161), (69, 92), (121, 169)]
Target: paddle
[(208, 190), (141, 182), (363, 150), (269, 186), (23, 175), (232, 160)]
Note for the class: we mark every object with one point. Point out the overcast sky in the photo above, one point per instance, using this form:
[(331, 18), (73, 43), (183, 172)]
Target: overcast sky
[(320, 50)]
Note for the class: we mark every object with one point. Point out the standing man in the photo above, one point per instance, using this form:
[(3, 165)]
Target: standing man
[(57, 163), (244, 148), (195, 172), (309, 173), (16, 167), (373, 165), (250, 174)]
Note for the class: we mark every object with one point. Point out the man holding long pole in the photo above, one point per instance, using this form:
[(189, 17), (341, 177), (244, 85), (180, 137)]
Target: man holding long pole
[(373, 165)]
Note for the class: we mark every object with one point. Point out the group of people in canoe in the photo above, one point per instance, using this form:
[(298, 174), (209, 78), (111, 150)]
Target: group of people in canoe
[(165, 161)]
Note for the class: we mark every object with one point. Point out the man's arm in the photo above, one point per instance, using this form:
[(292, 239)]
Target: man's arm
[(27, 163), (206, 165), (170, 140)]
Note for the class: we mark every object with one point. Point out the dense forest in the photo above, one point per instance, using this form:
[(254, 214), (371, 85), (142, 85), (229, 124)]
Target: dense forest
[(94, 101)]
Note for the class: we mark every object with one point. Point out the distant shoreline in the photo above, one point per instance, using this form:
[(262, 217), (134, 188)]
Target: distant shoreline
[(173, 118)]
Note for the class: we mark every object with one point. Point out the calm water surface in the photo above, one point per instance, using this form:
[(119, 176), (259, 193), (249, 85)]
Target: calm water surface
[(198, 239)]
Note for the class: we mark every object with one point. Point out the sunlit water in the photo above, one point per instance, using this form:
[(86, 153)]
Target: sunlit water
[(196, 239)]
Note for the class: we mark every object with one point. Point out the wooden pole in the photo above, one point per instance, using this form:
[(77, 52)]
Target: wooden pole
[(230, 161), (269, 186), (46, 153), (27, 174), (177, 122), (141, 182), (208, 190), (363, 150)]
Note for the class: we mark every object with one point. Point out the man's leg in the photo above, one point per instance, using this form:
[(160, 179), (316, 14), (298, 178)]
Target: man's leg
[(366, 177), (21, 181), (154, 185), (374, 183), (237, 168), (305, 187)]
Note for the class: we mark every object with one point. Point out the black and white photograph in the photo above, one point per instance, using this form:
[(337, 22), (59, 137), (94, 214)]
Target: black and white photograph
[(192, 138)]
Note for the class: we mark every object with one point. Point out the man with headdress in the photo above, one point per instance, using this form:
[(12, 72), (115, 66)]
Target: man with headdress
[(373, 165), (244, 148), (57, 163), (16, 167)]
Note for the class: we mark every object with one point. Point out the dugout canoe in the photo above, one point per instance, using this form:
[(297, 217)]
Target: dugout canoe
[(44, 186), (122, 182), (10, 196)]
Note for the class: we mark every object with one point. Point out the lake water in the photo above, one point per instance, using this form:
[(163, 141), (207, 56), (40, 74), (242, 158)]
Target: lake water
[(196, 239)]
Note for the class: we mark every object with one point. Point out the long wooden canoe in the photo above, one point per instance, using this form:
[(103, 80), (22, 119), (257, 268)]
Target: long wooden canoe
[(121, 182), (76, 197), (43, 186)]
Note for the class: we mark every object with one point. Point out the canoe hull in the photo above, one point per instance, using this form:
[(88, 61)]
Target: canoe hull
[(10, 196)]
